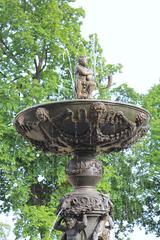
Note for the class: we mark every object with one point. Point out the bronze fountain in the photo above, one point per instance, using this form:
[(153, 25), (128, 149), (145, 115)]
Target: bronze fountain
[(83, 128)]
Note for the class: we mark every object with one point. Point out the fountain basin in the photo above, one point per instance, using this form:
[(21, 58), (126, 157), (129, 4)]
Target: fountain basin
[(82, 126)]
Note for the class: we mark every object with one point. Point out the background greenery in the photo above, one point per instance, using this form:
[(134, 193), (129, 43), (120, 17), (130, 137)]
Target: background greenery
[(40, 41)]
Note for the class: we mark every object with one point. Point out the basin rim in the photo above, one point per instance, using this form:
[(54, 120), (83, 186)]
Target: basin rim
[(75, 101)]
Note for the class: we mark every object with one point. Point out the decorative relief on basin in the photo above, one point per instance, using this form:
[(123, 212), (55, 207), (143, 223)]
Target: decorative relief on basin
[(97, 128)]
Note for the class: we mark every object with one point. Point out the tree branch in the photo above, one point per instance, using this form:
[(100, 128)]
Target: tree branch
[(9, 54), (40, 66), (45, 60)]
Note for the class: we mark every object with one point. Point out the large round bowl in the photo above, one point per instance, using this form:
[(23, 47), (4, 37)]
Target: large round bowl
[(81, 126)]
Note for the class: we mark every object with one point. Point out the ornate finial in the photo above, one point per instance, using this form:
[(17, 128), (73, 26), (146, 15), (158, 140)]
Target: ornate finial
[(85, 83)]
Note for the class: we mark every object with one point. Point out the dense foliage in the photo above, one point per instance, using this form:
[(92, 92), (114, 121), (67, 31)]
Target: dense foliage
[(39, 45)]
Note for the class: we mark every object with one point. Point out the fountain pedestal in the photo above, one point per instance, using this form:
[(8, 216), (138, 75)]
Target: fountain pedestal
[(84, 171)]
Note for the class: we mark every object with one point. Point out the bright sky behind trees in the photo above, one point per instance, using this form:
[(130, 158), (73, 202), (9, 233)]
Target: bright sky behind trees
[(129, 34)]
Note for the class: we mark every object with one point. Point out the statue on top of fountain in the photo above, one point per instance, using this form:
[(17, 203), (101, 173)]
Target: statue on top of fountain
[(85, 83)]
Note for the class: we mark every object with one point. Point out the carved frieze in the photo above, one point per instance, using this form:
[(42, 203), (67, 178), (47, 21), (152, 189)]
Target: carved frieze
[(84, 168), (73, 204), (97, 127)]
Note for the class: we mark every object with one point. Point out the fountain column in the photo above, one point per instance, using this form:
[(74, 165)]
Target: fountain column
[(84, 171)]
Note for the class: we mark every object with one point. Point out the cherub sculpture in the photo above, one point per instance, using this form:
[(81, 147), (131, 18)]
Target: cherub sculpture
[(72, 228), (85, 83), (102, 230), (105, 222)]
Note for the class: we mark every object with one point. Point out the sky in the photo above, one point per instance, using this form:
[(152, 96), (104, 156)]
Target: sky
[(129, 33)]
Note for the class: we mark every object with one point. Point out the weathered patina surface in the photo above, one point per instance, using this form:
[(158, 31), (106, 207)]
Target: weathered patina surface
[(85, 83), (83, 128)]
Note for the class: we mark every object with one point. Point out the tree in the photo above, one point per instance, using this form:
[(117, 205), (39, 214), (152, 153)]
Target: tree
[(103, 72), (34, 35), (152, 199), (39, 45), (132, 176)]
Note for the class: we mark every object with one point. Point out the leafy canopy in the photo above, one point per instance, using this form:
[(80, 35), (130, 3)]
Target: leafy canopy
[(40, 41)]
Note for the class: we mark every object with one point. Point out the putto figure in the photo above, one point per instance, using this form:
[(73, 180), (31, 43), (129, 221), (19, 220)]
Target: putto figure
[(72, 228), (85, 83)]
